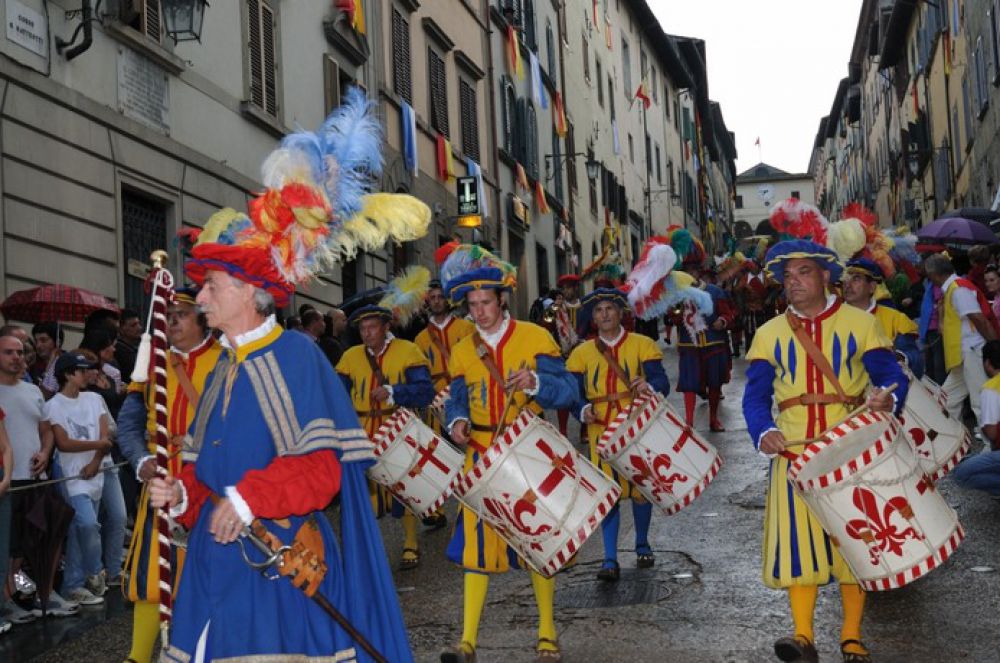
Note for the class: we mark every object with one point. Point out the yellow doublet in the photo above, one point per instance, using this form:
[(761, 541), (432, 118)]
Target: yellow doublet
[(398, 356), (601, 381), (483, 550), (893, 322), (454, 331), (796, 549), (395, 359)]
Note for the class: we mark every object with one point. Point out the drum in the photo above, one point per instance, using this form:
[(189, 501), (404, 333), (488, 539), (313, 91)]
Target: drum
[(663, 458), (439, 400), (415, 464), (541, 496), (939, 440), (868, 489)]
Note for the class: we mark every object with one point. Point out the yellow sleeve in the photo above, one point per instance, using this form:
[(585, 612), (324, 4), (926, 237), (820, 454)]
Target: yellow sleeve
[(546, 344), (905, 325), (872, 336), (456, 367), (763, 340), (648, 349), (414, 356), (575, 363)]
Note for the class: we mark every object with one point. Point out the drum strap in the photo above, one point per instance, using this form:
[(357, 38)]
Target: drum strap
[(376, 370), (485, 356), (821, 362), (437, 338), (613, 364), (184, 381), (818, 399), (616, 397)]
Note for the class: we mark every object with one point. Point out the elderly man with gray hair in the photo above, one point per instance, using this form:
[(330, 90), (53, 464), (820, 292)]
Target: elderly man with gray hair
[(965, 322)]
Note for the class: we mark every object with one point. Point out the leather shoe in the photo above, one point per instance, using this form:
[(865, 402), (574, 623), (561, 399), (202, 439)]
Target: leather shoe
[(796, 649)]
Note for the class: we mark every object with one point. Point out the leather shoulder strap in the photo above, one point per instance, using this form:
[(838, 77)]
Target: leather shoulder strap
[(437, 338), (376, 370), (814, 353), (483, 352), (184, 381), (613, 364)]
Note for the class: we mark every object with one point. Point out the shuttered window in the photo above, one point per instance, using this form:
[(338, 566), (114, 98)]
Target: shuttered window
[(571, 161), (439, 92), (401, 57), (261, 51), (531, 144), (147, 18), (508, 108), (470, 119)]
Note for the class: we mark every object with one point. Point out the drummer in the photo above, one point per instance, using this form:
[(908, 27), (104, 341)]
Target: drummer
[(861, 279), (611, 370), (436, 341), (381, 373), (798, 556), (504, 356)]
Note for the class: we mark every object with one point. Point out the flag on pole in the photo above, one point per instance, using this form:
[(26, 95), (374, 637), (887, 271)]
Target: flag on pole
[(642, 95), (614, 137), (409, 139), (521, 177), (559, 116), (597, 25), (543, 205), (756, 143), (355, 10), (473, 169), (607, 32), (445, 160), (514, 54), (537, 84)]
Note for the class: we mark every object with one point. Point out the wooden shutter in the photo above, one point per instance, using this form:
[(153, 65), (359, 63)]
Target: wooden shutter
[(401, 80), (520, 133), (151, 19), (509, 114), (331, 84), (439, 92), (531, 129), (470, 119), (261, 51)]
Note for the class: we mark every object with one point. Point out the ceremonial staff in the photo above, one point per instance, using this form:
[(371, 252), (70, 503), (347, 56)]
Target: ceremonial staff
[(153, 349)]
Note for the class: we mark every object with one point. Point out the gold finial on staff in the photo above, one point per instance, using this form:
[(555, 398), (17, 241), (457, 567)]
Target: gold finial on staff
[(159, 258)]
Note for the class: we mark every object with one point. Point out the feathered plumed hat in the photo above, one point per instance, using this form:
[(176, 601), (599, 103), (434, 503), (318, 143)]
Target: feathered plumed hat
[(655, 286), (317, 208), (471, 267)]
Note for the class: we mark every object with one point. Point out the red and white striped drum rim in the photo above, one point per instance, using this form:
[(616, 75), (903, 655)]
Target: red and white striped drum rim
[(931, 562)]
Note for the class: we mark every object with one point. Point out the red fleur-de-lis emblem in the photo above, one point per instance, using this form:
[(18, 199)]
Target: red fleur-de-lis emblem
[(513, 514), (654, 472), (878, 529)]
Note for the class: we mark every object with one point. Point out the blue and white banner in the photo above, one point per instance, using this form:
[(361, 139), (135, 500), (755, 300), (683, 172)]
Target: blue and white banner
[(410, 139)]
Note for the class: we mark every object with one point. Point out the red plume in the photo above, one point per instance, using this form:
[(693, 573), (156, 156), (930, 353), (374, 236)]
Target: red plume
[(861, 213)]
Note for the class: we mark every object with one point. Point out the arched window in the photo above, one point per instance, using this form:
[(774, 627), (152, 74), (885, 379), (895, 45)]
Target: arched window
[(508, 110), (531, 140)]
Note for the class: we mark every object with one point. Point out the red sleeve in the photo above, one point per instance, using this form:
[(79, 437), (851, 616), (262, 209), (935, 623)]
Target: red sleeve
[(292, 485), (197, 493), (726, 310)]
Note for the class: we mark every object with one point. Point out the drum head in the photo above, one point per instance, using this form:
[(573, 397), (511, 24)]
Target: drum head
[(845, 449)]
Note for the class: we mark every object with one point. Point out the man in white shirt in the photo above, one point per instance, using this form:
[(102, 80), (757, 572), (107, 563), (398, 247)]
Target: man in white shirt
[(31, 439), (982, 471), (80, 423), (965, 328)]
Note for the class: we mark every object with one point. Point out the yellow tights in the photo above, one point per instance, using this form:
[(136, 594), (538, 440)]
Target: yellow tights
[(476, 585), (145, 630), (409, 535), (803, 603)]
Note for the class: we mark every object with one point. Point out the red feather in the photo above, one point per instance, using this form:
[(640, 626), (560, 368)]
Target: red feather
[(861, 213)]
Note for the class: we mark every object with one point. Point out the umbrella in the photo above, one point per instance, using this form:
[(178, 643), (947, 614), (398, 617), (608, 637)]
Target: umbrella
[(55, 302), (42, 528), (956, 230), (980, 214)]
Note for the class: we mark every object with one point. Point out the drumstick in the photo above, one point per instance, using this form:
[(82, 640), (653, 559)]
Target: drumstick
[(853, 413), (506, 408)]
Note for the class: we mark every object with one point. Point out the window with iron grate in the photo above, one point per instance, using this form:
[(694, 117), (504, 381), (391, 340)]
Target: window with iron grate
[(470, 119), (261, 53), (439, 92), (401, 84)]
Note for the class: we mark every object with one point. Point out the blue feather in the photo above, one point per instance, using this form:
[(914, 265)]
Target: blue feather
[(352, 137)]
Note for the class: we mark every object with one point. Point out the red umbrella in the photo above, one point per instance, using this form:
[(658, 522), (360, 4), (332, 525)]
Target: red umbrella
[(54, 303)]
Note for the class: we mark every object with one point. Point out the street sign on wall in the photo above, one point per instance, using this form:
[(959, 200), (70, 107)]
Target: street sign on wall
[(467, 190)]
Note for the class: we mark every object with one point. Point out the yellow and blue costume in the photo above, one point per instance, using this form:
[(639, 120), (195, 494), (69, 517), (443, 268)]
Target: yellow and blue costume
[(437, 342), (477, 398), (601, 388), (899, 329), (797, 553), (137, 418)]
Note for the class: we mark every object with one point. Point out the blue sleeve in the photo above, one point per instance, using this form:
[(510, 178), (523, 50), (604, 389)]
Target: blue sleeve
[(457, 405), (656, 376), (926, 309), (417, 391), (907, 344), (757, 399), (132, 429), (884, 370), (581, 396), (557, 389)]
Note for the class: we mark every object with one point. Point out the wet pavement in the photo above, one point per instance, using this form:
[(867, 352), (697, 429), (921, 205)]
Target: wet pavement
[(702, 602)]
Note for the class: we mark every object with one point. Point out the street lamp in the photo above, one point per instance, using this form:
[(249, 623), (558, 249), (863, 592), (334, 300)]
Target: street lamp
[(183, 19), (592, 165)]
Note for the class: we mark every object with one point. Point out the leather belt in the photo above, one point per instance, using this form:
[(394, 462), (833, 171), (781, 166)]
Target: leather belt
[(439, 376), (376, 413), (612, 398), (484, 429), (820, 399)]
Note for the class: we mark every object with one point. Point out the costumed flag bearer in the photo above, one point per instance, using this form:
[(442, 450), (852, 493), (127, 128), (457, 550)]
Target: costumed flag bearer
[(274, 437), (503, 358), (611, 370), (816, 362)]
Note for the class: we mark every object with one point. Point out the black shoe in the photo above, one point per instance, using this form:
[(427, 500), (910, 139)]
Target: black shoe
[(796, 650), (435, 522), (610, 573)]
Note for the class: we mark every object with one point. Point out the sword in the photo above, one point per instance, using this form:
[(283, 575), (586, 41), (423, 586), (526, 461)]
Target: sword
[(273, 558)]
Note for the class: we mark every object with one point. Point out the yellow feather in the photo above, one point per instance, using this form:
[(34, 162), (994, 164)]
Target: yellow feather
[(385, 216), (217, 224)]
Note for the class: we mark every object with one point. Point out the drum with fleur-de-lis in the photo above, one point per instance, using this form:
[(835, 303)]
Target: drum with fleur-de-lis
[(538, 493), (665, 459), (417, 466), (868, 489), (939, 440)]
